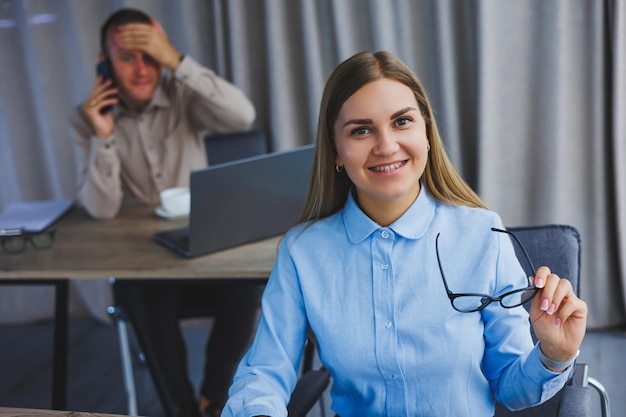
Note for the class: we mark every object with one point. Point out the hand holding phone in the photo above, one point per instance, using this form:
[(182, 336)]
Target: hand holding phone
[(105, 70)]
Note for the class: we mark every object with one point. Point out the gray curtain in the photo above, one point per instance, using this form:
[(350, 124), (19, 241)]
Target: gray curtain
[(530, 96)]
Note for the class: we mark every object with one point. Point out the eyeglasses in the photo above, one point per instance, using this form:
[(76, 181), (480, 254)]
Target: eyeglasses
[(14, 241), (470, 302)]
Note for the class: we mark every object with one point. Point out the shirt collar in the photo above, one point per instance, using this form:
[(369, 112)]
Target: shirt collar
[(411, 225)]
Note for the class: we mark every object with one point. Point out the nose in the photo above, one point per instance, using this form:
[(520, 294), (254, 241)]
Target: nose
[(141, 66), (386, 143)]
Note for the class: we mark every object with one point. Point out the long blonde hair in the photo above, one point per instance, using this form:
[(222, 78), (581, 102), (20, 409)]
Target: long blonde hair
[(328, 189)]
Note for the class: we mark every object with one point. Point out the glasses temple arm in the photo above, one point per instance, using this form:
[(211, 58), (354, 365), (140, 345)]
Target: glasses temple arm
[(443, 276), (495, 229)]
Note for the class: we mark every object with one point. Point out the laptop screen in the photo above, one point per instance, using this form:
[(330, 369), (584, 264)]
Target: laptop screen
[(247, 200)]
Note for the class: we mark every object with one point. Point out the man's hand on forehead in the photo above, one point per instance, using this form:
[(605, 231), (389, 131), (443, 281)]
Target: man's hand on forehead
[(149, 38), (134, 36)]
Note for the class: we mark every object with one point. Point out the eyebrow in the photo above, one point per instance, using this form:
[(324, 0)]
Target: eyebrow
[(401, 112), (358, 122), (369, 121)]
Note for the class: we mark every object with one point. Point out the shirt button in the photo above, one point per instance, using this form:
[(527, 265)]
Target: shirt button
[(384, 265), (158, 175), (388, 324), (385, 234)]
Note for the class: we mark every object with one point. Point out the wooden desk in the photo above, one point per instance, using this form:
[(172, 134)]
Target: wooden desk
[(121, 248)]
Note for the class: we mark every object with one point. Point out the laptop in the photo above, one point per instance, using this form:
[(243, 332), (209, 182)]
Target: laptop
[(243, 201)]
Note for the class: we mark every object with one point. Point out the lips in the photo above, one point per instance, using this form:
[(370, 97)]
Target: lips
[(389, 167), (142, 83)]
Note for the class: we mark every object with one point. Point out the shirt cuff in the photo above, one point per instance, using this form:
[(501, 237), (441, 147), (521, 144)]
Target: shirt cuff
[(107, 143), (552, 364), (551, 381), (187, 68)]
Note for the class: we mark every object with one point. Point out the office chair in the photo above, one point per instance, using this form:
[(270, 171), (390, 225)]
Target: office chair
[(222, 147), (226, 147)]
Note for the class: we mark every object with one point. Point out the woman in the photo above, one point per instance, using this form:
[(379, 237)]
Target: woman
[(386, 215)]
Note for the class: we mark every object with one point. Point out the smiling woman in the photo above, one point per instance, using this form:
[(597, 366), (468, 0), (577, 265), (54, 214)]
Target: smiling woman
[(362, 273)]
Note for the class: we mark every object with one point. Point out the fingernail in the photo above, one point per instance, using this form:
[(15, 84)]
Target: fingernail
[(544, 305), (557, 322), (551, 309), (539, 282)]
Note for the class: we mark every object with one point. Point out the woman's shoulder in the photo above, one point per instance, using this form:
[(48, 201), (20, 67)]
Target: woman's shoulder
[(315, 230)]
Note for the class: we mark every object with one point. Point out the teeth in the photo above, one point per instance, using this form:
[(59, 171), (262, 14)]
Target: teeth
[(388, 168)]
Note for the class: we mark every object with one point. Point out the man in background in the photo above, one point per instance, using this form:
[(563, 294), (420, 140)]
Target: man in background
[(140, 131)]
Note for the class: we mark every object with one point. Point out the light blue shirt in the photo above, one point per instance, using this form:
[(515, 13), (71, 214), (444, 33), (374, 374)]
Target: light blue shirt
[(385, 328)]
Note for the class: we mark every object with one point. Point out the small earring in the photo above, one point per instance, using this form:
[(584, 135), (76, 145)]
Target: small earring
[(339, 168)]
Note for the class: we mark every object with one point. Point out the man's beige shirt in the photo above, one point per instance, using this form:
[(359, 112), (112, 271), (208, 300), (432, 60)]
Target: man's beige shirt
[(158, 147)]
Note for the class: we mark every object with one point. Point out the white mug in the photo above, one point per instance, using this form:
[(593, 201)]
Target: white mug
[(175, 201)]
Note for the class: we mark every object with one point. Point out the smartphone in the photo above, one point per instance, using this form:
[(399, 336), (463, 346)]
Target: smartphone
[(104, 69)]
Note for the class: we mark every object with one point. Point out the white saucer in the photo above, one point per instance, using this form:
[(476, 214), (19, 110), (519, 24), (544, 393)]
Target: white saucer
[(159, 211)]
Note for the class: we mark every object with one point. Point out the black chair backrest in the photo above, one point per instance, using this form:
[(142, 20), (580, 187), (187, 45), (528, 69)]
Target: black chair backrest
[(556, 246), (226, 147)]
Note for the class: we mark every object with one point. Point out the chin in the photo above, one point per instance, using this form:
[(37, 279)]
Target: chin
[(398, 194), (142, 98)]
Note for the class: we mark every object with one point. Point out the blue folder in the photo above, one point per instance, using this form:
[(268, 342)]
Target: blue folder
[(33, 216)]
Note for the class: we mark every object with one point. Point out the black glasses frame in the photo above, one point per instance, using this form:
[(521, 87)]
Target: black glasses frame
[(484, 298), (15, 241)]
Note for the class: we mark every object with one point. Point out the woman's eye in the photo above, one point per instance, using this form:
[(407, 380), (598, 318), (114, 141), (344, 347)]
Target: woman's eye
[(360, 131), (403, 121)]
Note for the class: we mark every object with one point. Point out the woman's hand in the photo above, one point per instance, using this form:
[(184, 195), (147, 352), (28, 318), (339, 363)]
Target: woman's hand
[(558, 316)]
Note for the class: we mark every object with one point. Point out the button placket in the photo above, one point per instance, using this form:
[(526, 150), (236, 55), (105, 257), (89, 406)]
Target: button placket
[(149, 148), (383, 241)]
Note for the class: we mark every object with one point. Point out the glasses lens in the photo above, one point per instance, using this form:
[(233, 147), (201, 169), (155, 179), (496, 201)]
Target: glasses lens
[(43, 240), (14, 244), (519, 297), (469, 303)]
